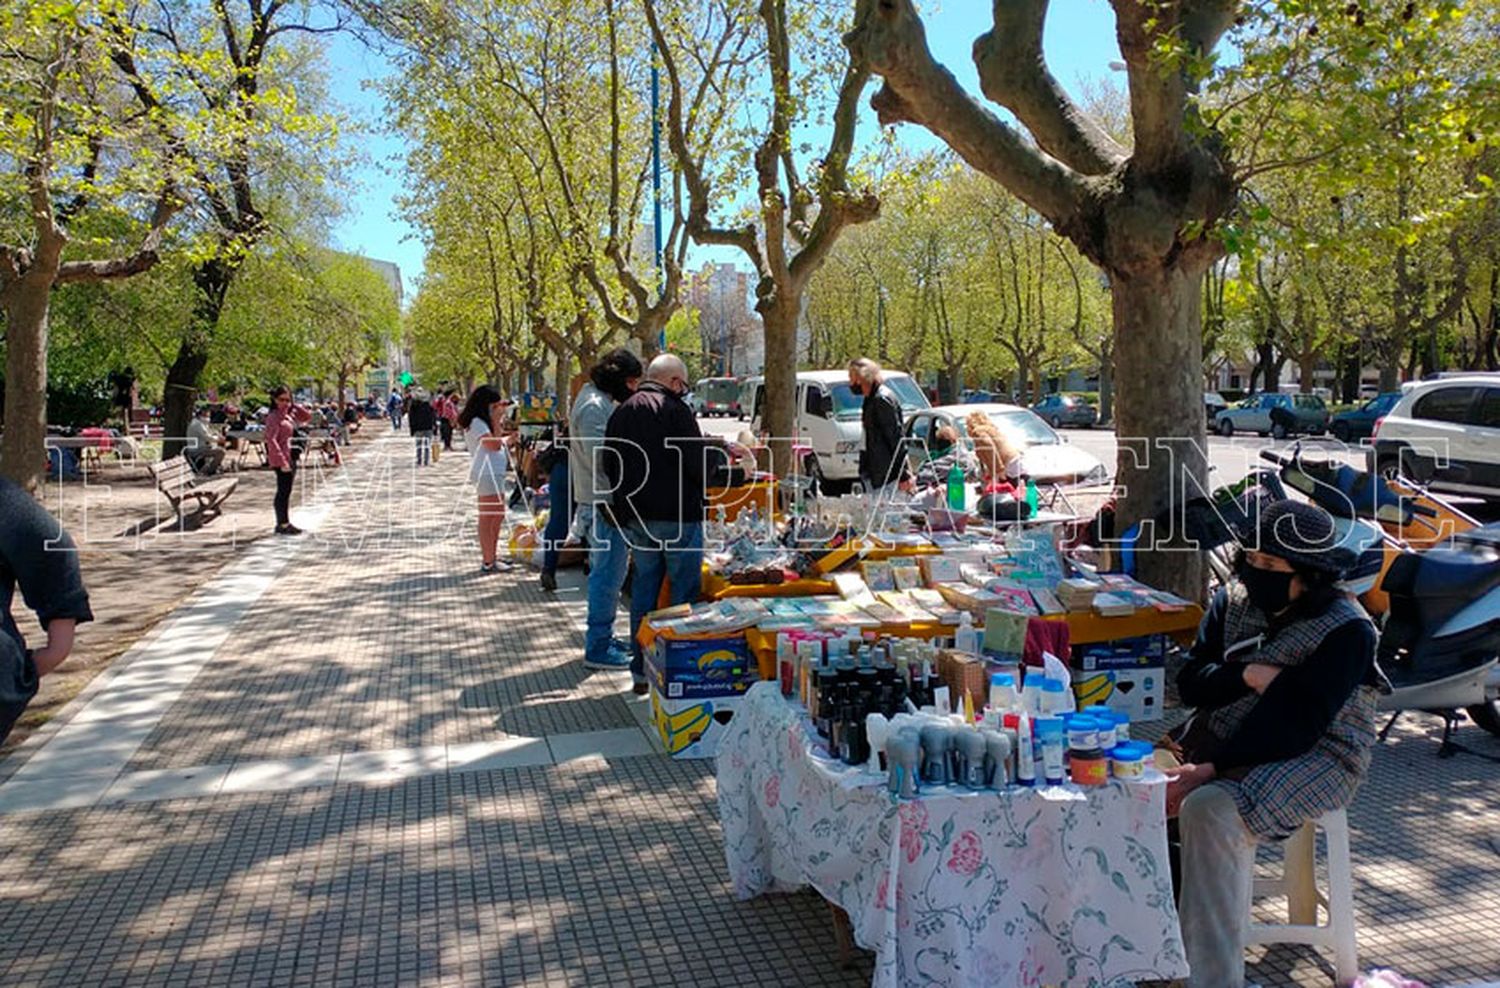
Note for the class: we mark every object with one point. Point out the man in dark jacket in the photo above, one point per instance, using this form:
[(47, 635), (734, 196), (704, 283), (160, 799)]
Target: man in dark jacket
[(653, 460), (880, 461), (40, 558), (422, 420)]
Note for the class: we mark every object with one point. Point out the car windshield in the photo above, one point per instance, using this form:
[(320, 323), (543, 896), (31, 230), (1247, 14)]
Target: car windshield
[(1022, 425), (847, 404)]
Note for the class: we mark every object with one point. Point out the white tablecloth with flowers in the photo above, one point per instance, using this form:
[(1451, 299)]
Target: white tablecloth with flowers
[(1021, 888)]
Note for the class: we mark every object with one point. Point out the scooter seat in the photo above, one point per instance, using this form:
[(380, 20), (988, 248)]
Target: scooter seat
[(1443, 573)]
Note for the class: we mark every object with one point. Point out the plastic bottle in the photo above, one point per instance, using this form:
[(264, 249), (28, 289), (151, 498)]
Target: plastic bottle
[(1002, 692), (955, 488), (971, 752), (1025, 759), (1033, 501), (966, 638), (1053, 700), (1031, 693), (1049, 733)]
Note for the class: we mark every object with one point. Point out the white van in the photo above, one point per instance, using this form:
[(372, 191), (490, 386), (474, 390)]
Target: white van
[(827, 417)]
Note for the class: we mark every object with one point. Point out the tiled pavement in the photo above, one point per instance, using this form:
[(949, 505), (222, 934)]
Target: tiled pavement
[(354, 761)]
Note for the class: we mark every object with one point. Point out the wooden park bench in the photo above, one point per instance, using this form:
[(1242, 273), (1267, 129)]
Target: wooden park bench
[(178, 483)]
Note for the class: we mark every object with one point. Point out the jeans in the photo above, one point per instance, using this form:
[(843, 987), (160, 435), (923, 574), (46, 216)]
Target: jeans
[(445, 429), (609, 556), (395, 421), (424, 447), (1218, 868), (558, 516), (668, 549), (283, 500)]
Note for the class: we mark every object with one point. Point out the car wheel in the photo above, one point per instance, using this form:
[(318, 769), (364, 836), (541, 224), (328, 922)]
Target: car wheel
[(1226, 428), (1278, 432), (1388, 467), (1056, 422), (1486, 715), (1341, 432)]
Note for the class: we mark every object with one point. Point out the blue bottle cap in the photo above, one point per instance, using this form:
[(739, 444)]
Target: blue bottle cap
[(1002, 679)]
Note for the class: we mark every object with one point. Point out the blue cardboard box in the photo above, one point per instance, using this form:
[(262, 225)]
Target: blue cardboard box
[(682, 669), (1125, 653)]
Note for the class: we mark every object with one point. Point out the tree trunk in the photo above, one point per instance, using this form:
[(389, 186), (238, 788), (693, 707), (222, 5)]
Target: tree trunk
[(779, 418), (180, 393), (23, 451), (211, 280), (1349, 371), (1107, 388), (1306, 366), (1160, 425), (560, 378), (1023, 375)]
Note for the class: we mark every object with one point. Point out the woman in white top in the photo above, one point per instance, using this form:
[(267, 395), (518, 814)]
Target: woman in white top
[(482, 420)]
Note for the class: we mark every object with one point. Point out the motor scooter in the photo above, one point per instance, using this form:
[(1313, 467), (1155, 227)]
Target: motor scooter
[(1438, 593)]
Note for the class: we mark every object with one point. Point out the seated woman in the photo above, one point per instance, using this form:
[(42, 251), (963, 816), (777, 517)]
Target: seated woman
[(1284, 680)]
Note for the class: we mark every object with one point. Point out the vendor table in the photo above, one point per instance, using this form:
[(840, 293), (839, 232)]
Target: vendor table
[(1025, 887)]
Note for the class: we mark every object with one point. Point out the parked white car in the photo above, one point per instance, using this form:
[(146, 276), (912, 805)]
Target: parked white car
[(1444, 433), (828, 417), (1048, 458)]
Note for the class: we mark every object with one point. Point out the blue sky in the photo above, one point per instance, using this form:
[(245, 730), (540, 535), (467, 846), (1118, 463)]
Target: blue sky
[(1079, 43)]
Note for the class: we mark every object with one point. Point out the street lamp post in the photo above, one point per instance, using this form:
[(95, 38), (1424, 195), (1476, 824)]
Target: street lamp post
[(661, 341)]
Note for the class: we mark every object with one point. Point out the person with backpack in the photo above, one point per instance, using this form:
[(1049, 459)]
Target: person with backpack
[(421, 420)]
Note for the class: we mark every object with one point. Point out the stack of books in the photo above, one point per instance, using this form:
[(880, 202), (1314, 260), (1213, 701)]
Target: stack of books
[(1076, 593)]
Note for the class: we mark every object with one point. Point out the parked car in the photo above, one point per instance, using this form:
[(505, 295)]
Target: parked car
[(1359, 423), (1254, 415), (1213, 404), (970, 397), (717, 396), (828, 418), (1060, 410), (1444, 433), (1048, 457)]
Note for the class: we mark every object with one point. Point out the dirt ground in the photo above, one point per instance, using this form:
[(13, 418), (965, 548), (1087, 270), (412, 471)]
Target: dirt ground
[(139, 563)]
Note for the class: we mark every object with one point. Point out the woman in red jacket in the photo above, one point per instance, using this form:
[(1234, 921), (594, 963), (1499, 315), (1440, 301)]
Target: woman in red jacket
[(283, 419)]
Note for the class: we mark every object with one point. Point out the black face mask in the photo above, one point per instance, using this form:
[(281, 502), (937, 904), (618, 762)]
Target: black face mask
[(1269, 590)]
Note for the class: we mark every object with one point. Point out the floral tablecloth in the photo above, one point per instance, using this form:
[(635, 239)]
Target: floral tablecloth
[(1020, 888)]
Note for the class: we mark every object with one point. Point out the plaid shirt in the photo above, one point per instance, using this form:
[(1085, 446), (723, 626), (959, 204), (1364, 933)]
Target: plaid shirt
[(1276, 798)]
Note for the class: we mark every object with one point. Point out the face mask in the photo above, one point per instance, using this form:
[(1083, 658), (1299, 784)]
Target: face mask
[(1269, 590)]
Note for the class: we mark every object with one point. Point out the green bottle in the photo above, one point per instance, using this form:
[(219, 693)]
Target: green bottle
[(1032, 500), (956, 487)]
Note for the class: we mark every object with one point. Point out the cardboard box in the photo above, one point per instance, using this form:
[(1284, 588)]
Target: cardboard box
[(692, 728), (701, 667), (1138, 693), (1124, 653)]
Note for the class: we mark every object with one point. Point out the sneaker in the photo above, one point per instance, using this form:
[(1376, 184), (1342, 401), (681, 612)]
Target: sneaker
[(487, 567), (639, 687), (612, 660), (288, 530), (549, 582)]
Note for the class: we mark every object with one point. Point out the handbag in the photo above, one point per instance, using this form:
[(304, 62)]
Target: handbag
[(18, 682)]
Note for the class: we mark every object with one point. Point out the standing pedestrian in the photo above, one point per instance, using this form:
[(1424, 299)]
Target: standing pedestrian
[(554, 461), (281, 423), (482, 420), (447, 414), (611, 381), (39, 556), (880, 461), (420, 421), (393, 407), (655, 464)]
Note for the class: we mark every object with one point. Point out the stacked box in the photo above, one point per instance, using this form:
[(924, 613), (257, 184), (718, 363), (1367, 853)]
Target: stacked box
[(1137, 693), (1123, 653), (692, 728), (699, 668)]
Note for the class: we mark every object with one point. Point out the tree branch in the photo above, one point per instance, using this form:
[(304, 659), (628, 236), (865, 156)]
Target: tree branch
[(892, 43), (144, 258), (1014, 74)]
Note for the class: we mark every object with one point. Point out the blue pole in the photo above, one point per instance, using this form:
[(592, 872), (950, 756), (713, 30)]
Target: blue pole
[(661, 342)]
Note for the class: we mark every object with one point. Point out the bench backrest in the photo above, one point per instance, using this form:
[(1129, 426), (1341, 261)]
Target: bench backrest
[(173, 474)]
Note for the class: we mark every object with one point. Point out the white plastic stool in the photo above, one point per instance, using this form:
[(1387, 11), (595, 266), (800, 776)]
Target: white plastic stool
[(1298, 882)]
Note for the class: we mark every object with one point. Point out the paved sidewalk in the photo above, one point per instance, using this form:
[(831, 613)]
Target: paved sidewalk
[(351, 759)]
